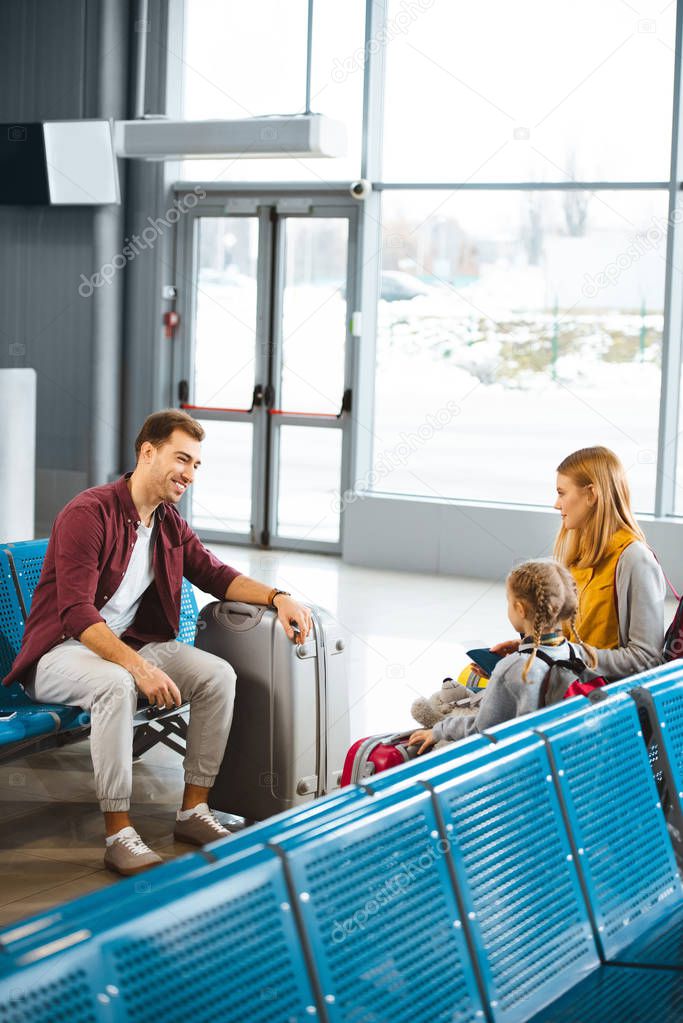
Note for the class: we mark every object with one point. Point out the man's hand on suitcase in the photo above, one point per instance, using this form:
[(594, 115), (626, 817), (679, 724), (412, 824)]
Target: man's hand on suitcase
[(292, 614), (160, 690)]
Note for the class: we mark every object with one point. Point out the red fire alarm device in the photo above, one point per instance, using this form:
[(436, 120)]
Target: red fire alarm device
[(171, 321)]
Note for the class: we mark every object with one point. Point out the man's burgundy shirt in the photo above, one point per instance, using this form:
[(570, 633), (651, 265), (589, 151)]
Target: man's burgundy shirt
[(87, 556)]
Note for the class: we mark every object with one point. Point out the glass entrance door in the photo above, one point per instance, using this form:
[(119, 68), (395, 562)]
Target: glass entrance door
[(266, 368)]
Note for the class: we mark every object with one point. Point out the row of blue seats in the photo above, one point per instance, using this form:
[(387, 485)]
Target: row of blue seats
[(22, 720), (524, 874)]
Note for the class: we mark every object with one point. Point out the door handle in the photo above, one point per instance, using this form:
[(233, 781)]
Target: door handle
[(262, 396), (345, 407), (346, 403)]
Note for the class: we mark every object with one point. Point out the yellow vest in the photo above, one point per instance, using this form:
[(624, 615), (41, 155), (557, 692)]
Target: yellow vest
[(597, 619)]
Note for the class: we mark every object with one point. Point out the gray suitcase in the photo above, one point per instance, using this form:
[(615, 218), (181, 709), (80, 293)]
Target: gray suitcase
[(290, 728)]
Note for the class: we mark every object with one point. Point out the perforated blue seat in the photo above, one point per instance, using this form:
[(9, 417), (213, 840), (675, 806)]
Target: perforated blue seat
[(11, 631), (617, 829), (660, 711), (517, 880), (189, 612), (61, 987), (226, 947), (529, 722), (669, 672), (379, 914), (21, 565), (218, 944), (22, 719), (619, 994), (27, 558)]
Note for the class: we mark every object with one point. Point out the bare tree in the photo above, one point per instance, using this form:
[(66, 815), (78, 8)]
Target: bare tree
[(532, 232), (575, 204)]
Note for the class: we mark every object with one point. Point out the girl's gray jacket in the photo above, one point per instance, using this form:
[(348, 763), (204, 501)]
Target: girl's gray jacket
[(507, 695)]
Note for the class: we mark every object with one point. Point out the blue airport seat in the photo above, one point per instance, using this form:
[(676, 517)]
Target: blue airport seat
[(52, 988), (616, 994), (226, 946), (530, 722), (664, 673), (22, 719), (20, 566), (669, 672), (219, 944), (27, 723), (617, 828), (518, 884), (189, 612), (26, 559), (379, 914), (11, 631), (660, 710)]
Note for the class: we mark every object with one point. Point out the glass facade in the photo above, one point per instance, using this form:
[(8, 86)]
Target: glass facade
[(524, 168)]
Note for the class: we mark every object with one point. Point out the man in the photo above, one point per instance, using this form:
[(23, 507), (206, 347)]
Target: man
[(103, 622)]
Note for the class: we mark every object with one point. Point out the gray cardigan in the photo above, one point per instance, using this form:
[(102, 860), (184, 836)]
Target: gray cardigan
[(641, 589), (506, 696)]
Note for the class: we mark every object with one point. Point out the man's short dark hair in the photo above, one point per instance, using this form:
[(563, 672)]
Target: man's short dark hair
[(158, 427)]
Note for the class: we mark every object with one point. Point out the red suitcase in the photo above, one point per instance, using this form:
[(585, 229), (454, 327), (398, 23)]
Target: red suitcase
[(376, 753)]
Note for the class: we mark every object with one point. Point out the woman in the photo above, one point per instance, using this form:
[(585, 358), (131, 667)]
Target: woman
[(621, 586)]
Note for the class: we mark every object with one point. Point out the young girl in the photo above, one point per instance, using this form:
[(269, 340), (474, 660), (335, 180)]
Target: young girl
[(541, 596), (620, 584)]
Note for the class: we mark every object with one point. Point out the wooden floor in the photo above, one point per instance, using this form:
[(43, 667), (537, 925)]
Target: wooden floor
[(52, 836)]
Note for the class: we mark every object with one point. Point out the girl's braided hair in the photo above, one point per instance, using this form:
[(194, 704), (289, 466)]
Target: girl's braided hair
[(548, 592)]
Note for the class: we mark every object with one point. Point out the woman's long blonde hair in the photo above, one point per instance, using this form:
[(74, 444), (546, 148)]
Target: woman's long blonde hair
[(548, 592), (581, 548)]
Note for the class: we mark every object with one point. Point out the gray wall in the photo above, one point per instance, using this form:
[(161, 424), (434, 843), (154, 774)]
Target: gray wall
[(147, 354), (476, 540), (50, 68)]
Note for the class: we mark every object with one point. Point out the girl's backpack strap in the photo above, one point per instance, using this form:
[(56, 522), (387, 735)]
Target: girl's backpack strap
[(573, 661), (544, 657)]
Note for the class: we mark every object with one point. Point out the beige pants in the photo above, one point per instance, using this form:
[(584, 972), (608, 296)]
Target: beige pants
[(71, 673)]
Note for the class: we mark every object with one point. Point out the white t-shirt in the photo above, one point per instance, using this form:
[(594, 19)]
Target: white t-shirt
[(121, 608)]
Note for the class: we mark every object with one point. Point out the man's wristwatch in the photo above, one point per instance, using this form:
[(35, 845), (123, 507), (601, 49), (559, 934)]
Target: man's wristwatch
[(275, 593)]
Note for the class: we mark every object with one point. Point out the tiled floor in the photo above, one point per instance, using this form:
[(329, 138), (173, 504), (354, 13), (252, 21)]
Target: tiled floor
[(406, 632)]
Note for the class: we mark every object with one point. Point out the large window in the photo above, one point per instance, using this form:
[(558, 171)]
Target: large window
[(538, 90), (249, 59), (523, 153), (528, 321), (528, 324)]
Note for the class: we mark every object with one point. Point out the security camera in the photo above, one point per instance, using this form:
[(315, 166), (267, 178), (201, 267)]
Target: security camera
[(360, 189)]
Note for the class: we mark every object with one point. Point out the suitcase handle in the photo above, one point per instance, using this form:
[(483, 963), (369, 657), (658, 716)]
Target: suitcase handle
[(238, 616), (397, 737)]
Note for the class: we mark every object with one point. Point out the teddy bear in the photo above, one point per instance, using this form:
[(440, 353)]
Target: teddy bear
[(453, 698)]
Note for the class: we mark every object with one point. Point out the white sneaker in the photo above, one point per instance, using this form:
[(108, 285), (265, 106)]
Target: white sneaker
[(199, 827), (127, 854)]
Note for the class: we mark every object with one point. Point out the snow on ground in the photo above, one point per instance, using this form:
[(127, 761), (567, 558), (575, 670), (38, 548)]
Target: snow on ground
[(526, 386)]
